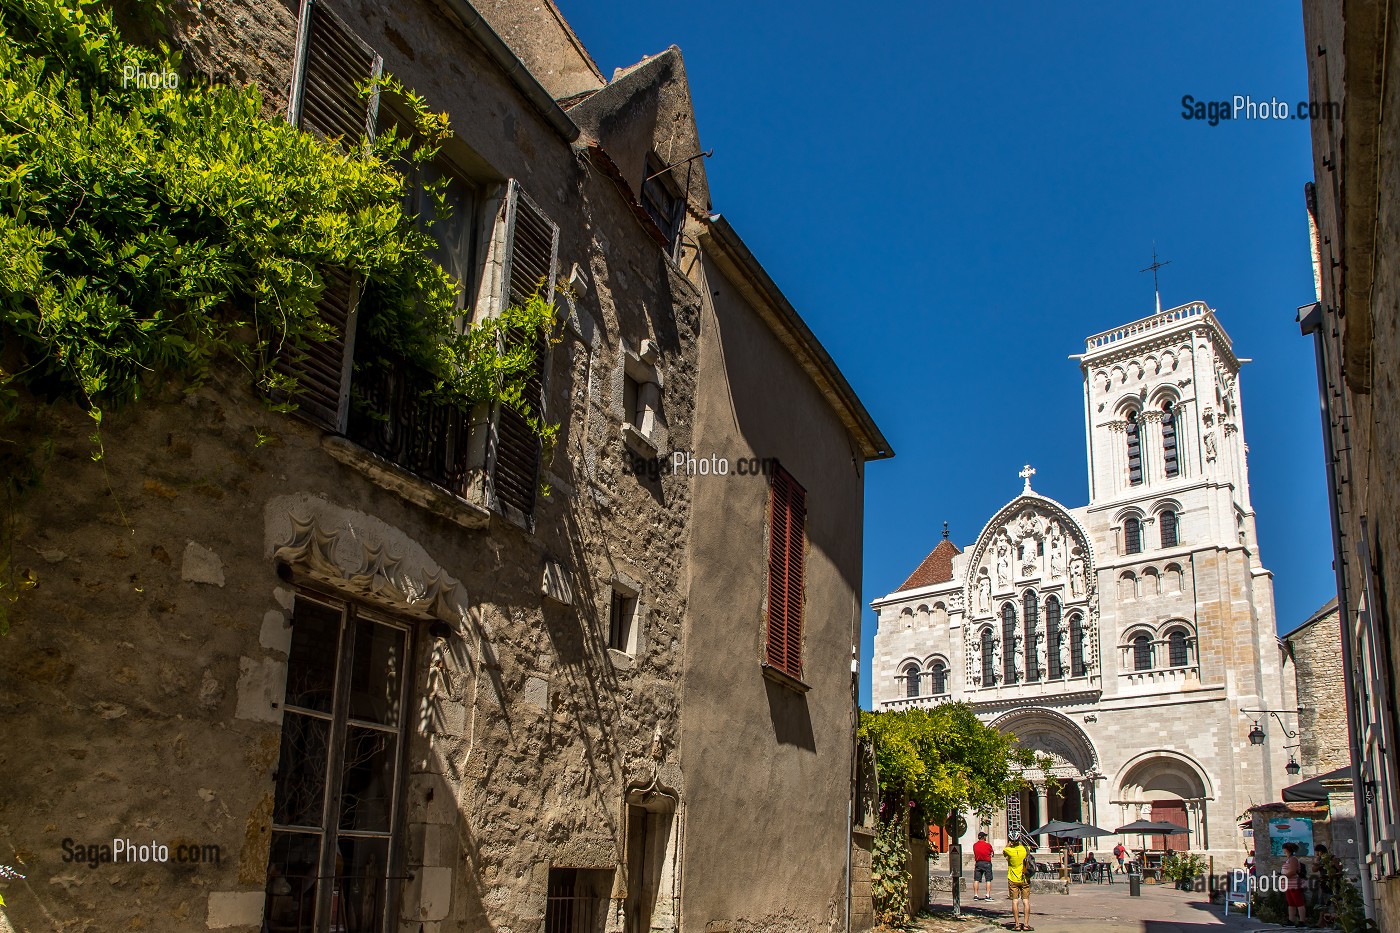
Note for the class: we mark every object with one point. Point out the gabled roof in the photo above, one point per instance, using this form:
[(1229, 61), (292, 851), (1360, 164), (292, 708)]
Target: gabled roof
[(936, 568), (1328, 609)]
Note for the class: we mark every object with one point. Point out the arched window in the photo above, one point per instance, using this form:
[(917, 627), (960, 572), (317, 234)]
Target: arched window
[(1169, 459), (1052, 636), (911, 680), (940, 678), (1168, 522), (1142, 653), (989, 661), (1076, 645), (1008, 643), (1132, 536), (1176, 648), (1031, 611), (1134, 450)]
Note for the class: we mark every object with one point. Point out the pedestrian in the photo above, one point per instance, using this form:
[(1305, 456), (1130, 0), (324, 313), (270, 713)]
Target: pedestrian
[(1118, 852), (1320, 879), (1018, 886), (981, 867), (1294, 874), (1249, 862)]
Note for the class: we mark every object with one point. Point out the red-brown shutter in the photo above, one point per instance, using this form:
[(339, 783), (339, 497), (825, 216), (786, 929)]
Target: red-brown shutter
[(787, 521), (532, 251), (327, 101)]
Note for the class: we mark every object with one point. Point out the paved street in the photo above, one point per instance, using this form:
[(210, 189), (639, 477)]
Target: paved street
[(1096, 909)]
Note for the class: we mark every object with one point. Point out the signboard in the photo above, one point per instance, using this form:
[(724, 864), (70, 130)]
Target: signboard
[(1297, 829), (1238, 891)]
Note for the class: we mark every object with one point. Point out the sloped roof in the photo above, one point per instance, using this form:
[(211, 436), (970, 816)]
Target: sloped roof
[(1328, 609), (936, 568)]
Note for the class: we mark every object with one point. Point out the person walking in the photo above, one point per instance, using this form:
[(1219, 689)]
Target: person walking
[(1294, 876), (1118, 852), (1018, 885), (981, 867)]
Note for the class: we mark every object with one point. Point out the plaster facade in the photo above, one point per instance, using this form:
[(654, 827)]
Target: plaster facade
[(1124, 638)]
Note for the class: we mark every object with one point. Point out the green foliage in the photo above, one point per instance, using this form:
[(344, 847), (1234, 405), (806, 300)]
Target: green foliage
[(1345, 908), (1183, 867), (148, 232), (945, 758), (889, 869)]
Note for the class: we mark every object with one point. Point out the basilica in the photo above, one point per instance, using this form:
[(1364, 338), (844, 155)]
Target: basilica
[(1130, 640)]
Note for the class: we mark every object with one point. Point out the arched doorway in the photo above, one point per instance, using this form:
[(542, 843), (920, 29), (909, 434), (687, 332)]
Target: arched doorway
[(1170, 787), (1074, 766)]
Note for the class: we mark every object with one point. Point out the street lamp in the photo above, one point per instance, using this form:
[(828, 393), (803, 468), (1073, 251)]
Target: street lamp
[(1256, 734), (1293, 767)]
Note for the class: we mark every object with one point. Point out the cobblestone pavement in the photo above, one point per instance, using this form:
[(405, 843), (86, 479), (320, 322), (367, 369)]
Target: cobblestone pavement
[(1096, 909)]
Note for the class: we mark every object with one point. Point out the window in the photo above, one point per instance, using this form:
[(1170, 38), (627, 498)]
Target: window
[(940, 678), (989, 663), (1132, 536), (1134, 450), (1142, 653), (1076, 645), (1168, 523), (911, 680), (787, 518), (335, 821), (1176, 648), (662, 201), (631, 400), (1031, 611), (622, 621), (1169, 454), (1008, 643), (1052, 635)]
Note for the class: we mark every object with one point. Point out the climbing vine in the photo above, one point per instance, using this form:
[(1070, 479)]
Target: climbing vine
[(147, 233)]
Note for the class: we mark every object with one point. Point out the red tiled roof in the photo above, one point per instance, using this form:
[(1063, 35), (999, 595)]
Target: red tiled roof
[(936, 568)]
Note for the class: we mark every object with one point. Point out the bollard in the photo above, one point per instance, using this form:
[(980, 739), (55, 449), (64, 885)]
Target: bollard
[(1134, 884), (955, 867)]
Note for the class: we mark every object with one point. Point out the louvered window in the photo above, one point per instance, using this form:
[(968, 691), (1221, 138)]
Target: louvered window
[(1134, 450), (1169, 530), (1031, 611), (1076, 645), (1008, 643), (989, 665), (1052, 636), (1132, 536), (532, 254), (326, 100), (1169, 452), (787, 521)]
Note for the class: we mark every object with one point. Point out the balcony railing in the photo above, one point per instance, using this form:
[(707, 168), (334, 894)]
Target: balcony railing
[(1155, 322), (393, 415)]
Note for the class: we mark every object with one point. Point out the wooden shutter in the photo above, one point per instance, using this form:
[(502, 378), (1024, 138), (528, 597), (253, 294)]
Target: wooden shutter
[(786, 552), (531, 260), (326, 100)]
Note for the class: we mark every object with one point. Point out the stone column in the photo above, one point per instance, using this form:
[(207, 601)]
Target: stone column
[(1150, 439), (1043, 792)]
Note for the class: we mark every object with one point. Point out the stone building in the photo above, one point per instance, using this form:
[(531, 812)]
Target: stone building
[(1127, 638), (1353, 60), (364, 668), (1314, 659)]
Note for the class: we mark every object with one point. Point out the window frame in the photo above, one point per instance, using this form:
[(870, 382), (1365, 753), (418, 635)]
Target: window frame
[(1078, 666), (1171, 447), (1030, 611), (657, 180), (1132, 535), (1178, 637), (786, 589), (1133, 438), (989, 661), (1141, 645), (938, 673), (1052, 637), (1009, 673), (912, 677), (1169, 519)]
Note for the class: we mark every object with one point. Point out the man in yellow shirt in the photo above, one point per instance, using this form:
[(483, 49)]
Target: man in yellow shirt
[(1017, 883)]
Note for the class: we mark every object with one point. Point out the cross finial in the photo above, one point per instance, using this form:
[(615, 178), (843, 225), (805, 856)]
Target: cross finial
[(1026, 473), (945, 531), (1153, 268)]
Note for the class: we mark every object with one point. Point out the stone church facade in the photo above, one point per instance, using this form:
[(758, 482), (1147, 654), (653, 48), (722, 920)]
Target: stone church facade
[(1128, 638)]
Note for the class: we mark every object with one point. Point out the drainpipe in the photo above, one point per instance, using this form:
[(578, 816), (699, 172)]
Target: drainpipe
[(1310, 322), (855, 770)]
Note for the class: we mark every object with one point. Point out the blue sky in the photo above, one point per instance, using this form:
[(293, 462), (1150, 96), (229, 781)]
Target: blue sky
[(955, 195)]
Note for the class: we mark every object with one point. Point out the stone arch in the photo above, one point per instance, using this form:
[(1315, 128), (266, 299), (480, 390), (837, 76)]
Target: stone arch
[(1127, 585), (1151, 583), (1171, 579), (1162, 774), (1054, 734)]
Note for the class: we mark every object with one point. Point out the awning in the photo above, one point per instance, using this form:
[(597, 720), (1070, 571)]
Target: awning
[(1312, 788)]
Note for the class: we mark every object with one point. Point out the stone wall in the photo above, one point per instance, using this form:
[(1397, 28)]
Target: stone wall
[(1316, 651)]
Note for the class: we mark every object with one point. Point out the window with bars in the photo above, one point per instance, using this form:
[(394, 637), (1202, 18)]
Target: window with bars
[(337, 801), (1132, 536), (1008, 643), (911, 681), (1142, 653), (787, 518), (1134, 440), (1169, 451), (1052, 635), (989, 663), (1076, 645), (1177, 653), (1030, 610), (939, 674), (1168, 521)]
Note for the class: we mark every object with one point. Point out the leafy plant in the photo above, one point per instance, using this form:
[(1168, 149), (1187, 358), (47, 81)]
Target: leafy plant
[(889, 869), (1183, 867)]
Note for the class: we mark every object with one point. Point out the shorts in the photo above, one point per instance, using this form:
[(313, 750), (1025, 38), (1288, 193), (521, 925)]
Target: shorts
[(1294, 897), (982, 872), (1019, 890)]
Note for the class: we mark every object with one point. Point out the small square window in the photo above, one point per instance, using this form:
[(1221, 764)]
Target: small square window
[(632, 401), (622, 622)]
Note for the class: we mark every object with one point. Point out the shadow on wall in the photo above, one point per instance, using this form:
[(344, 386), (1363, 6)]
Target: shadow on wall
[(792, 720)]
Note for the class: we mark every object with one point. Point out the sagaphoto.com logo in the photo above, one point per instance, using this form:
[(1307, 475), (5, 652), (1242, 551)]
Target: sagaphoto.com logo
[(1244, 107)]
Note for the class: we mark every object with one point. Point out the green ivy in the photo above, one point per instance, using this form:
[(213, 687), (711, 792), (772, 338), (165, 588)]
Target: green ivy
[(889, 870), (147, 233)]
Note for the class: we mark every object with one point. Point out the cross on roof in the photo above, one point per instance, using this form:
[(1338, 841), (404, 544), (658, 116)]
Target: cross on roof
[(1153, 268), (1026, 475)]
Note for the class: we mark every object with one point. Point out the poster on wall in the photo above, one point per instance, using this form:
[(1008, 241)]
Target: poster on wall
[(1297, 829)]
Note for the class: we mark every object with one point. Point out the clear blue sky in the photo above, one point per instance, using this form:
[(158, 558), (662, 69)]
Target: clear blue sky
[(955, 195)]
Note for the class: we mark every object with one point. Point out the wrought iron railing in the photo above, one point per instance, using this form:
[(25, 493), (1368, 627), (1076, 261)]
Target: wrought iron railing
[(393, 414), (573, 914)]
